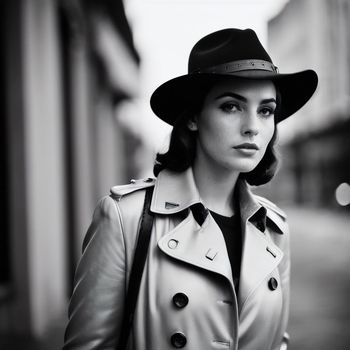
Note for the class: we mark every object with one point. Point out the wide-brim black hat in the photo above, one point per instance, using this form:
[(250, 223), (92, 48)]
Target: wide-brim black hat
[(225, 54)]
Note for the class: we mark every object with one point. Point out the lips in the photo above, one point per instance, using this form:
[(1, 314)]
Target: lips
[(247, 146)]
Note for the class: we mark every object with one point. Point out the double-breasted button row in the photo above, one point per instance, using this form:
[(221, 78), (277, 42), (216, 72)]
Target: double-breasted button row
[(178, 340)]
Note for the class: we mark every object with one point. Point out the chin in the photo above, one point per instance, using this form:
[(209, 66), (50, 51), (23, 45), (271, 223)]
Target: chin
[(246, 170), (245, 166)]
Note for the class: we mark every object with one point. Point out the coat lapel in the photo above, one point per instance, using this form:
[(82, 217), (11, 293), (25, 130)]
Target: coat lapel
[(260, 256), (201, 246)]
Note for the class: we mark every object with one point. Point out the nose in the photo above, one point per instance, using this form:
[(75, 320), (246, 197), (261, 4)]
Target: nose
[(250, 125)]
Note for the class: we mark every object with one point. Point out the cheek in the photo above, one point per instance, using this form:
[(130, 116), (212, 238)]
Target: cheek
[(268, 134), (209, 127), (218, 124)]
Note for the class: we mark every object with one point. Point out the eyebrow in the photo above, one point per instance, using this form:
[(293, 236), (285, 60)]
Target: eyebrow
[(242, 98)]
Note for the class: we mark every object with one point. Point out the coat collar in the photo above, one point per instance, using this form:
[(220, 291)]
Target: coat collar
[(175, 192)]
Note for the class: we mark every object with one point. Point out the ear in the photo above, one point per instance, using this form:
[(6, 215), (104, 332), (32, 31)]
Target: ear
[(192, 124)]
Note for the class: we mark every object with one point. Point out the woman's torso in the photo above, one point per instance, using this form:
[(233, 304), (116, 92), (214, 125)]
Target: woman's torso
[(187, 296)]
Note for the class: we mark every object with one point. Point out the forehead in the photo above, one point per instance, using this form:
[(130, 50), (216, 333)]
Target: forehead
[(248, 88)]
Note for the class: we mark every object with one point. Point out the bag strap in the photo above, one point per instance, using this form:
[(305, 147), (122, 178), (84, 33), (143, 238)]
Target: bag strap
[(137, 270)]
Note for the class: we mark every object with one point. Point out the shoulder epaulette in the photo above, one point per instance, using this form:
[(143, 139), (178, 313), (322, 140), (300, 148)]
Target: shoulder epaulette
[(270, 205), (118, 192), (277, 217)]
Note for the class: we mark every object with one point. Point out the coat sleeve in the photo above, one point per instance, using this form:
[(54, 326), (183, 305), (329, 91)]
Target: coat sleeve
[(96, 306)]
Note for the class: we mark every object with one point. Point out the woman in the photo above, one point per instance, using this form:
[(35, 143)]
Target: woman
[(217, 271)]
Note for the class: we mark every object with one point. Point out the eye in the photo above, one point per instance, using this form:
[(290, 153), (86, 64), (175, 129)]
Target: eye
[(230, 107), (266, 111)]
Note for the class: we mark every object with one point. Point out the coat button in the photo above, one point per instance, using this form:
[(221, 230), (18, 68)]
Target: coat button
[(172, 244), (180, 300), (178, 340), (273, 284)]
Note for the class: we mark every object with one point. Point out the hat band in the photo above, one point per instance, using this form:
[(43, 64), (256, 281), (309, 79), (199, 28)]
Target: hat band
[(238, 66)]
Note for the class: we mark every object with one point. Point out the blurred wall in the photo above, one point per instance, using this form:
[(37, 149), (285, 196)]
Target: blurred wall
[(315, 34), (65, 68)]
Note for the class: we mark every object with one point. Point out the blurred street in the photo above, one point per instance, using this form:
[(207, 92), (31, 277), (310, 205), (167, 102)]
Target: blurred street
[(320, 311)]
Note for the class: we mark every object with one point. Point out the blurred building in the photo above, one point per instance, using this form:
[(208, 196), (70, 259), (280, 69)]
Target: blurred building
[(66, 65), (315, 34)]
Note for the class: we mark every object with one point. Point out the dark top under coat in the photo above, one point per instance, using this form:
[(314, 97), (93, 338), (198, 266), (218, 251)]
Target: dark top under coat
[(231, 230)]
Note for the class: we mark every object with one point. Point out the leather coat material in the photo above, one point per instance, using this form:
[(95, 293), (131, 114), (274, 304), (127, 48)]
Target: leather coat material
[(187, 254)]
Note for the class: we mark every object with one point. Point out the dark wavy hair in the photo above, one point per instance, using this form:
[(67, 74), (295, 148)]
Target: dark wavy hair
[(182, 148)]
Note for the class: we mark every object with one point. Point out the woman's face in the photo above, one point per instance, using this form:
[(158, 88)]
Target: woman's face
[(236, 124)]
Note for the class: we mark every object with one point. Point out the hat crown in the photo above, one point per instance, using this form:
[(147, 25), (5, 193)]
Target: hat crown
[(226, 45)]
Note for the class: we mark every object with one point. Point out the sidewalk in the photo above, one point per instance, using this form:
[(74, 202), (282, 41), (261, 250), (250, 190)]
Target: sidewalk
[(320, 311)]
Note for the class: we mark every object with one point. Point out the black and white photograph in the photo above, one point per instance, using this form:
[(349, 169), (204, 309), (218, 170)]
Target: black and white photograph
[(175, 174)]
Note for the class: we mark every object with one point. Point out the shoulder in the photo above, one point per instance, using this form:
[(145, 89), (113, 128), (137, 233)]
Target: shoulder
[(270, 206), (121, 209), (129, 198), (122, 197), (122, 191), (276, 217)]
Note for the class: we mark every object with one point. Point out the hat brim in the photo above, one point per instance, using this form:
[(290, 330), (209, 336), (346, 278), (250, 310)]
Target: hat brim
[(174, 96)]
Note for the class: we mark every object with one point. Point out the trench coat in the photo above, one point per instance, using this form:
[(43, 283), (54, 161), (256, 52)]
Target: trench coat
[(187, 296)]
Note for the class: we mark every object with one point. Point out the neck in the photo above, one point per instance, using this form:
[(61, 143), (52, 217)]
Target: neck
[(215, 186)]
